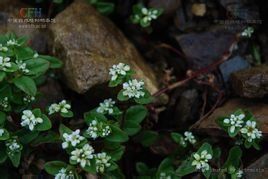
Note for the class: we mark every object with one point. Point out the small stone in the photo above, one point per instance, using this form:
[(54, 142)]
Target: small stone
[(89, 44), (233, 65), (251, 83), (199, 9)]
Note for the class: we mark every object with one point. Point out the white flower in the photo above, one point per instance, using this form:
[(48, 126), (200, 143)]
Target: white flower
[(120, 69), (62, 107), (4, 103), (201, 161), (72, 139), (22, 66), (133, 89), (82, 155), (163, 175), (106, 106), (64, 174), (2, 48), (28, 98), (28, 119), (234, 121), (4, 63), (36, 55), (189, 137), (98, 129), (251, 131), (13, 146), (149, 14), (239, 174), (12, 42), (247, 32), (2, 131), (102, 161)]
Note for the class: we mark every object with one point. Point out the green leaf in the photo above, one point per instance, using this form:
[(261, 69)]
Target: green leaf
[(131, 127), (54, 62), (176, 137), (165, 165), (3, 155), (2, 75), (3, 117), (146, 99), (207, 147), (63, 129), (115, 153), (49, 137), (26, 137), (69, 114), (207, 173), (45, 125), (5, 135), (136, 113), (37, 66), (117, 135), (121, 97), (185, 168), (105, 8), (26, 84), (14, 158), (147, 138), (53, 167), (93, 115), (142, 168), (234, 157)]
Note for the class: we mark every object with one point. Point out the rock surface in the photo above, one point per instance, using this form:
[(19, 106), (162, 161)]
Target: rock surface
[(89, 44), (251, 83), (232, 65), (258, 170), (214, 44), (210, 127), (10, 10)]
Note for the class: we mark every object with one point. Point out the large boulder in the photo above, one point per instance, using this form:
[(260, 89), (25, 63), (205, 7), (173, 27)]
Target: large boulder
[(251, 83), (89, 44)]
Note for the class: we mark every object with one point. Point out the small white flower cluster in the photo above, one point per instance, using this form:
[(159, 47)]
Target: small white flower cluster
[(106, 106), (64, 174), (12, 42), (235, 121), (189, 137), (98, 129), (28, 99), (82, 156), (149, 14), (22, 66), (13, 146), (120, 69), (2, 131), (72, 139), (250, 131), (62, 107), (133, 89), (102, 161), (4, 63), (239, 174), (4, 102), (3, 48), (163, 175), (201, 161), (28, 119), (36, 55), (247, 32)]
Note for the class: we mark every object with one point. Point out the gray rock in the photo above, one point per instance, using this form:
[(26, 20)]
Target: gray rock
[(251, 83), (257, 170), (233, 65), (89, 44)]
